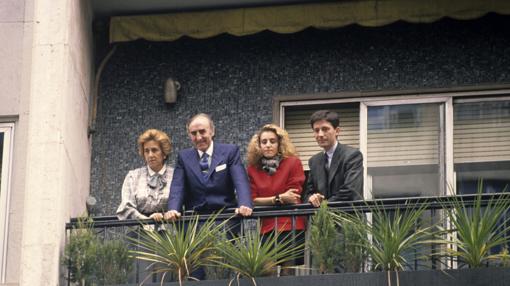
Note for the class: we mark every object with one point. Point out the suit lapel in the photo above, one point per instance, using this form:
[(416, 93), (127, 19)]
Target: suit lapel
[(335, 162), (322, 177), (193, 160), (217, 156)]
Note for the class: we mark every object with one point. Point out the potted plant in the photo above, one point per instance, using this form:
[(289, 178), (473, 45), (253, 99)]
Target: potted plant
[(80, 253), (388, 235), (181, 248), (251, 256), (476, 230), (91, 261), (113, 262), (324, 240)]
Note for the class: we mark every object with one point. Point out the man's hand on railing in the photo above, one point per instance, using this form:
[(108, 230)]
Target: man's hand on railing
[(244, 211), (157, 216), (172, 215), (316, 200)]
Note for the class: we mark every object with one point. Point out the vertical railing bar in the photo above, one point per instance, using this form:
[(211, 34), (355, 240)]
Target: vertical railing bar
[(432, 245), (67, 240), (294, 244), (307, 257), (415, 254), (137, 265), (242, 226), (276, 234)]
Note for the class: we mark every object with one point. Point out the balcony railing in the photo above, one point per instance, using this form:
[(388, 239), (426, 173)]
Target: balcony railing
[(109, 227)]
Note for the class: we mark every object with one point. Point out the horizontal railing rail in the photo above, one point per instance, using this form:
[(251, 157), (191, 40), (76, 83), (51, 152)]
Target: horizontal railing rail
[(363, 206)]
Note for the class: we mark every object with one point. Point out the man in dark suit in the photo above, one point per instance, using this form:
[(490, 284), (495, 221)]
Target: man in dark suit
[(209, 176), (336, 174)]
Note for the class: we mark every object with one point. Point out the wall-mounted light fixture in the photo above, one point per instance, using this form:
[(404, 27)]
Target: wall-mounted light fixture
[(91, 204), (171, 88)]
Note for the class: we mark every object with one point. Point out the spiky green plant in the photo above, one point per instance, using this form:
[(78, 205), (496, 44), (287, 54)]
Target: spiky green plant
[(250, 256), (389, 235), (182, 248), (324, 240), (477, 229)]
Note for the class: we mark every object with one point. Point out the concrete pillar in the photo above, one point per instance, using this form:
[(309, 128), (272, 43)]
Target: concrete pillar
[(58, 151)]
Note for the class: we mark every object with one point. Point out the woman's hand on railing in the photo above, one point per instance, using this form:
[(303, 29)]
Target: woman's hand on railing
[(157, 216), (290, 197), (172, 215)]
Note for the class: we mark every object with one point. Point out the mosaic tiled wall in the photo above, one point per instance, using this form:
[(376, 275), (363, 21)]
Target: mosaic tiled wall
[(234, 79)]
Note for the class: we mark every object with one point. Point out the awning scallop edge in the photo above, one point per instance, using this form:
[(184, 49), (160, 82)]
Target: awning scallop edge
[(294, 18)]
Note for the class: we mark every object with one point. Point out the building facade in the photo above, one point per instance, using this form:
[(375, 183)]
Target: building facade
[(72, 104), (376, 77)]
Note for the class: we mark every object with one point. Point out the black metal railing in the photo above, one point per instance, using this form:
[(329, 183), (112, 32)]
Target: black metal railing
[(108, 227)]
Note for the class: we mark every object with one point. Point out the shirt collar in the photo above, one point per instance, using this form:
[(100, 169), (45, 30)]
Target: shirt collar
[(331, 150), (208, 151), (152, 172)]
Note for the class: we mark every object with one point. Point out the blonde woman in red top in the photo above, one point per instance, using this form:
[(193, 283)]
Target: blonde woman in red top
[(276, 177)]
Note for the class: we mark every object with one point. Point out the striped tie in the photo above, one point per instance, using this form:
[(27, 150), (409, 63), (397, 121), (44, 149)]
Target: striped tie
[(204, 164)]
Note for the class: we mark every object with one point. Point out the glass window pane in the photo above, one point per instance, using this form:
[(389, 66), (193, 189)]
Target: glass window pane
[(482, 145), (403, 150)]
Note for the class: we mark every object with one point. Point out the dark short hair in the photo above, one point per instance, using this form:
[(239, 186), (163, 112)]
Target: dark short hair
[(328, 115)]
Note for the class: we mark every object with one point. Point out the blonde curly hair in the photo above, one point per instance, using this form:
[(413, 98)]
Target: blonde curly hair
[(155, 135), (285, 146)]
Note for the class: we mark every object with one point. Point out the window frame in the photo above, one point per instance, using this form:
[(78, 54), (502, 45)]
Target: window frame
[(460, 100), (446, 123), (447, 96), (5, 192)]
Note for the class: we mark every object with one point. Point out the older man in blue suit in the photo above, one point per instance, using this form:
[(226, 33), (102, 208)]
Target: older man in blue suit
[(209, 176)]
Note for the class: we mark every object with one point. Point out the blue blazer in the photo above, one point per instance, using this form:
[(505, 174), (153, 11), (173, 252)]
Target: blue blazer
[(226, 178)]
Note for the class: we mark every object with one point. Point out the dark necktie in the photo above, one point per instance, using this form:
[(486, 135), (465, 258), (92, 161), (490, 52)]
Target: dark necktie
[(326, 163), (204, 164), (326, 171)]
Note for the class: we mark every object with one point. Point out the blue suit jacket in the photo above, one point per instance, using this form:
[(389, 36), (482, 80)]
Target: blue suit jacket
[(226, 178)]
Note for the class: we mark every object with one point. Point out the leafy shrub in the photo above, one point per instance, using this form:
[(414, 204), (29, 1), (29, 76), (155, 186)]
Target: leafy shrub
[(91, 261), (80, 253), (113, 262), (324, 240)]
